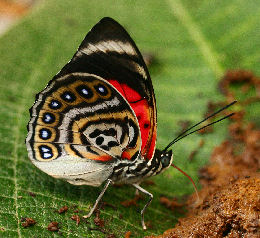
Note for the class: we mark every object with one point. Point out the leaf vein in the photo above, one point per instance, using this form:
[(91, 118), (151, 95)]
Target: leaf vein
[(197, 36)]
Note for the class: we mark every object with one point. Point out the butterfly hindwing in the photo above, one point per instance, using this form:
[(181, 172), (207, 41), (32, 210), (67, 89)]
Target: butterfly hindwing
[(81, 117)]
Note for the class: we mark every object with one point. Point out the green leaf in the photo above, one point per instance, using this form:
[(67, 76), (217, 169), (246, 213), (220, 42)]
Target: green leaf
[(195, 42)]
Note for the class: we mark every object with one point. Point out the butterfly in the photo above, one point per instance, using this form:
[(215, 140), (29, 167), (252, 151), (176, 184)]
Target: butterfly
[(96, 120)]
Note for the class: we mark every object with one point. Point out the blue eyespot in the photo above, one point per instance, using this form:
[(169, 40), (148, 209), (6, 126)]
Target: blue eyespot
[(45, 134), (48, 118), (45, 152), (55, 104), (68, 96), (84, 91), (101, 89)]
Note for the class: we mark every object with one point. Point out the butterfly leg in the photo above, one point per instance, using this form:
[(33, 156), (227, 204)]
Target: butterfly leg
[(109, 181), (146, 205), (137, 191)]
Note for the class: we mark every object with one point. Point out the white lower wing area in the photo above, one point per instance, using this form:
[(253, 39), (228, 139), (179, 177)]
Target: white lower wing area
[(77, 171)]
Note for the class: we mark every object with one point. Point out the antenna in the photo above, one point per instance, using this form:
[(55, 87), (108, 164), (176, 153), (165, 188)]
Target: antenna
[(183, 134)]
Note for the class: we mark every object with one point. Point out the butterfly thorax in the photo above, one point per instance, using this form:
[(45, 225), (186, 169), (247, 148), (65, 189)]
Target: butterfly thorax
[(129, 172)]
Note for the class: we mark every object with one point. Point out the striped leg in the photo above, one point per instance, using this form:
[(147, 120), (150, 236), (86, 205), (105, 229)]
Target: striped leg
[(109, 181), (146, 205)]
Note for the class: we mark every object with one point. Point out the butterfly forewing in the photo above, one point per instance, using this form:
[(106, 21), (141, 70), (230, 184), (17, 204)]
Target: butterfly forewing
[(109, 52)]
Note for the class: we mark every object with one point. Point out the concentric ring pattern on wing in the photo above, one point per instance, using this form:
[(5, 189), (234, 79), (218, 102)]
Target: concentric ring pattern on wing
[(83, 116)]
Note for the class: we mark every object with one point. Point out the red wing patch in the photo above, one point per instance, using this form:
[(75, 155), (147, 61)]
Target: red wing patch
[(143, 114), (128, 93)]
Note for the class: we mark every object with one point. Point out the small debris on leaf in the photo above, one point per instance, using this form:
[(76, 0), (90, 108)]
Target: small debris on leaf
[(132, 202), (97, 229), (74, 206), (32, 194), (53, 226), (106, 204), (97, 220), (63, 209), (28, 222), (76, 218), (128, 234), (149, 182), (111, 236), (149, 225), (238, 76)]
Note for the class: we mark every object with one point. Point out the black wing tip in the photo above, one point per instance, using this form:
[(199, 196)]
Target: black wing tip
[(108, 19), (105, 24)]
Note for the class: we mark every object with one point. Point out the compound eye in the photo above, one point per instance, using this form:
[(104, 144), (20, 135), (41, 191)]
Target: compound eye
[(165, 160)]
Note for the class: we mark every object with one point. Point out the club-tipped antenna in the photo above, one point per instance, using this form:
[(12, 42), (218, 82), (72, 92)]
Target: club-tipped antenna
[(183, 134)]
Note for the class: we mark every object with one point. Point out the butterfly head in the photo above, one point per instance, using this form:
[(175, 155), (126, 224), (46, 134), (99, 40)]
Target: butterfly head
[(164, 158)]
